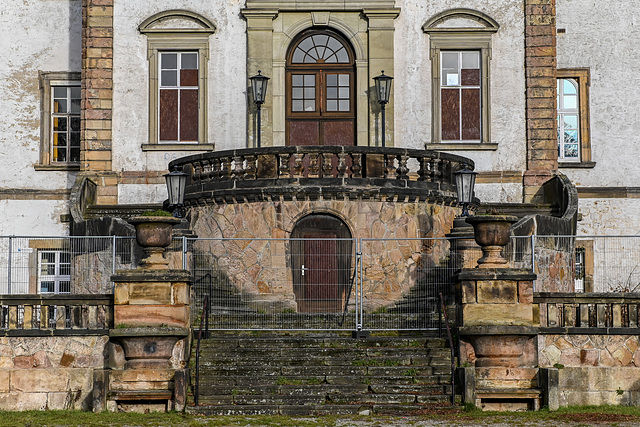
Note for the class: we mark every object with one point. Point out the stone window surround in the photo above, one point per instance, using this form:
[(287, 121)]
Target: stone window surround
[(461, 38), (47, 80), (583, 78), (179, 40), (263, 24)]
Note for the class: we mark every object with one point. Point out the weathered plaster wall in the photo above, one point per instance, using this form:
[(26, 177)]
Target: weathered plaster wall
[(49, 372), (412, 86), (33, 217), (594, 369), (44, 36), (227, 86), (610, 53)]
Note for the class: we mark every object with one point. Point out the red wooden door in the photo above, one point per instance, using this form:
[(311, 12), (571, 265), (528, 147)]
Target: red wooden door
[(320, 274)]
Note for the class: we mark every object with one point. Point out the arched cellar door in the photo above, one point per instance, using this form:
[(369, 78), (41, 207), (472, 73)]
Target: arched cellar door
[(321, 253), (320, 85)]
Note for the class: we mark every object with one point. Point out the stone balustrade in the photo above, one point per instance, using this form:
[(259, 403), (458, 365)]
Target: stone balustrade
[(588, 312), (36, 315), (314, 172)]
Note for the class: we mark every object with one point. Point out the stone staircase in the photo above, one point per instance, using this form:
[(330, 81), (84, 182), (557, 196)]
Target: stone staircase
[(296, 375)]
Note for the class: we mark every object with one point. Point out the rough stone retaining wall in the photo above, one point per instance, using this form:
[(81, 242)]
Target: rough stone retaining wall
[(593, 369), (39, 373), (264, 271)]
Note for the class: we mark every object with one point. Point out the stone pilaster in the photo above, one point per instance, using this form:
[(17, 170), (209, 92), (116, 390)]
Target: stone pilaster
[(540, 66), (260, 57), (381, 50), (97, 96)]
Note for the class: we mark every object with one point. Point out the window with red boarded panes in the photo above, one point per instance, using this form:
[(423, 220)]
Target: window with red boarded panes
[(460, 93), (178, 112)]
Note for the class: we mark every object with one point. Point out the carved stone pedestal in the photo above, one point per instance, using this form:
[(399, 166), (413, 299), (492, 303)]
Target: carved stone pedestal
[(497, 334), (150, 342)]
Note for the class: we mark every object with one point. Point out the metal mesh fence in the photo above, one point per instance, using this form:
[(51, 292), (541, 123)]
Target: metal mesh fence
[(65, 265), (318, 283)]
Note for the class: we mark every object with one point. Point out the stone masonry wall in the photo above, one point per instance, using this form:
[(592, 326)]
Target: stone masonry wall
[(540, 64), (262, 269), (97, 97), (594, 369), (39, 373)]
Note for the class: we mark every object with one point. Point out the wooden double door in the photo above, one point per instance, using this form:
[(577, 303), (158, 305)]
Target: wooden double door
[(321, 251), (320, 90)]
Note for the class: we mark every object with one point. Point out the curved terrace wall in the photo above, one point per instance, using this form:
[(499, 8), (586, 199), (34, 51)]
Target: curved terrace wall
[(390, 194)]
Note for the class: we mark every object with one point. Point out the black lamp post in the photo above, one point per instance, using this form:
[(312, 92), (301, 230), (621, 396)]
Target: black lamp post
[(465, 182), (259, 89), (383, 91), (176, 182)]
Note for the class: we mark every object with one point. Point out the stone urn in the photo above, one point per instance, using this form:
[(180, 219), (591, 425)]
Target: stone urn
[(492, 233), (154, 234)]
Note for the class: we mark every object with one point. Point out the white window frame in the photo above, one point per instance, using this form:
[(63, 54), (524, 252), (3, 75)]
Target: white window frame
[(564, 111), (57, 277)]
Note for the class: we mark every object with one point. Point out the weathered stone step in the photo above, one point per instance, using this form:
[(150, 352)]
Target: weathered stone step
[(393, 398), (428, 355), (312, 360), (310, 389), (320, 371), (391, 409), (235, 380), (279, 342)]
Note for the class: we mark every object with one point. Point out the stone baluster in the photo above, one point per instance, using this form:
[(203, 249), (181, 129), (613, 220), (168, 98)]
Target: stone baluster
[(342, 165), (423, 170), (314, 169), (297, 165), (403, 170), (215, 172), (252, 167), (225, 168), (238, 167), (284, 170), (434, 167), (390, 166), (198, 172), (327, 167), (356, 167)]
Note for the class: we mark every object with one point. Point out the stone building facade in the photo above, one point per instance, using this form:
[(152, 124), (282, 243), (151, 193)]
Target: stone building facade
[(84, 80)]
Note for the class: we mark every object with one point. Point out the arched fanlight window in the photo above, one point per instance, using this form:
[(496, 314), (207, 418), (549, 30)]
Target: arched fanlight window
[(320, 48)]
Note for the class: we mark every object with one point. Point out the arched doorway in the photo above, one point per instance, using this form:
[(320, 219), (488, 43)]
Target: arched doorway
[(321, 252), (320, 90)]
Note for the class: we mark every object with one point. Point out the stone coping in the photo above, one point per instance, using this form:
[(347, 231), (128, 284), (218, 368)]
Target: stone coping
[(52, 332), (149, 331), (517, 274), (140, 275), (498, 330)]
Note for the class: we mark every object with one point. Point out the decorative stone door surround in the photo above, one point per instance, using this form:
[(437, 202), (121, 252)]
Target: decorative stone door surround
[(272, 25)]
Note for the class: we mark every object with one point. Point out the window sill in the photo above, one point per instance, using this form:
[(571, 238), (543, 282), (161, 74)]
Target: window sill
[(577, 165), (177, 147), (58, 167), (462, 146)]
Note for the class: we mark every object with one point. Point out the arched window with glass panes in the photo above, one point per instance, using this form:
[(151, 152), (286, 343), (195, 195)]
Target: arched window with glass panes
[(568, 121)]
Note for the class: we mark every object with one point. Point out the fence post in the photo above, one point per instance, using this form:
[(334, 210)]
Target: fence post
[(533, 258), (358, 318), (184, 252), (113, 260), (9, 265)]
